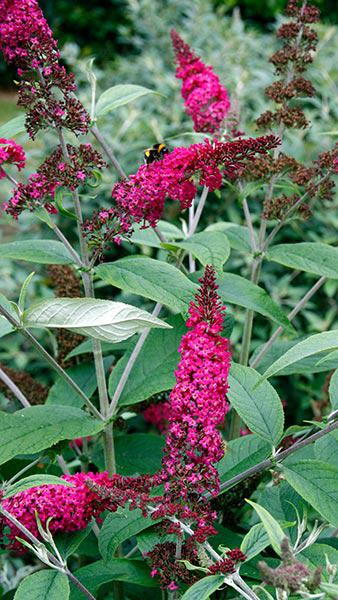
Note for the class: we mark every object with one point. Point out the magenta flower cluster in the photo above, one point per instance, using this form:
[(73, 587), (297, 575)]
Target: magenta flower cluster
[(70, 508), (27, 41), (11, 153), (206, 100), (141, 197), (198, 401), (52, 174)]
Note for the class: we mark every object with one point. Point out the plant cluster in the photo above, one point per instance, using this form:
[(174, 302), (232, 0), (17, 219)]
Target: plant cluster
[(103, 519)]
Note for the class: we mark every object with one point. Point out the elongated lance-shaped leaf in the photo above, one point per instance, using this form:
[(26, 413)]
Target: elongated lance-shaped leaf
[(100, 319)]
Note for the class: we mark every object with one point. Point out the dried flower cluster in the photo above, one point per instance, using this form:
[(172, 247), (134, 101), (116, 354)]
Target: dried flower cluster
[(206, 100), (292, 575), (27, 41), (35, 392), (165, 566), (299, 41), (141, 197), (11, 153), (54, 172), (70, 508)]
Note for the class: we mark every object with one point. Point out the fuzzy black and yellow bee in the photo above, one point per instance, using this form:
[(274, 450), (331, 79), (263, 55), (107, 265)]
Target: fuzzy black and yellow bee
[(156, 152)]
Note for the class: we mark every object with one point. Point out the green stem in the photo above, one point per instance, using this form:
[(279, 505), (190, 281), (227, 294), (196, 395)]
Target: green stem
[(27, 334), (97, 349)]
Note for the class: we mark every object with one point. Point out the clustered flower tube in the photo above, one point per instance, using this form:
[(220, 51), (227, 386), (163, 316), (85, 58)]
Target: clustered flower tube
[(141, 197), (27, 41), (11, 153), (206, 100)]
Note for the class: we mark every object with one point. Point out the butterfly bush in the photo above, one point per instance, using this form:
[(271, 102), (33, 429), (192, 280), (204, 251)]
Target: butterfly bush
[(206, 100)]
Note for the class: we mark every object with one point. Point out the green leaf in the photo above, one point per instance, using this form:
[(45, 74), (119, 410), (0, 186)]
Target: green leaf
[(5, 326), (241, 292), (255, 541), (151, 278), (45, 252), (202, 589), (100, 319), (331, 589), (107, 347), (153, 370), (119, 569), (149, 538), (326, 360), (312, 257), (84, 375), (238, 235), (241, 454), (23, 291), (308, 365), (120, 526), (138, 453), (34, 481), (260, 408), (326, 448), (148, 237), (68, 543), (58, 197), (313, 344), (210, 248), (316, 556), (272, 527), (35, 428), (315, 481), (118, 95), (47, 584), (13, 127), (333, 390)]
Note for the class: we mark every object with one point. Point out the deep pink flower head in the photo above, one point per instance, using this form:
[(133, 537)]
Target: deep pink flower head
[(141, 197), (11, 153), (198, 401), (71, 508), (27, 41), (205, 99), (158, 415)]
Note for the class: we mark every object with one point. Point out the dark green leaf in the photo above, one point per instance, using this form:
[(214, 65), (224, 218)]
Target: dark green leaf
[(46, 252), (241, 454), (259, 407), (255, 541), (153, 370), (151, 278), (119, 569), (333, 390), (120, 526), (68, 543), (138, 453), (237, 235), (241, 292), (313, 344), (43, 585), (313, 257), (118, 95), (202, 589), (33, 429), (85, 376), (34, 481), (326, 448), (315, 481), (209, 247)]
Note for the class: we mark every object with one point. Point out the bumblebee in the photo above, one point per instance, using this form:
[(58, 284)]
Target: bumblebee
[(156, 152)]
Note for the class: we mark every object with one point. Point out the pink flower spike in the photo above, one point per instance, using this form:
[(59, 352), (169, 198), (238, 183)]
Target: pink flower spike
[(206, 100)]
